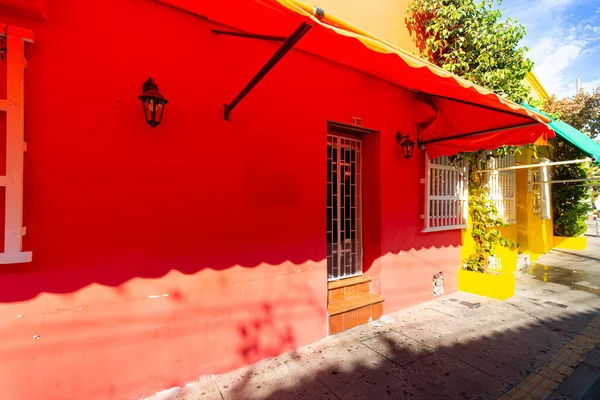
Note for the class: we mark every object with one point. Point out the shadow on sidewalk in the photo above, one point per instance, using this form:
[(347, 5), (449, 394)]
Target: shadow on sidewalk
[(461, 352)]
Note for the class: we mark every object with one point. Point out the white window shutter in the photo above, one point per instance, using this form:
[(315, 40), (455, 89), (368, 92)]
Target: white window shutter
[(446, 195), (502, 187)]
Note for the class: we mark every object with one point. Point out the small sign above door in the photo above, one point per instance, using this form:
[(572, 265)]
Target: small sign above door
[(356, 121)]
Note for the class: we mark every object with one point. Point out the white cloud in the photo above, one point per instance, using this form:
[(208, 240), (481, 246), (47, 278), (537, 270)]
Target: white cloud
[(591, 85), (558, 38), (552, 58)]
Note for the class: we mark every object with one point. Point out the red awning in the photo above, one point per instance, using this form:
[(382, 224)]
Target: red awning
[(462, 116)]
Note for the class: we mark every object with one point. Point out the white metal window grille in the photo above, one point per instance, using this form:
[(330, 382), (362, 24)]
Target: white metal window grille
[(502, 186), (344, 202), (446, 195), (12, 40)]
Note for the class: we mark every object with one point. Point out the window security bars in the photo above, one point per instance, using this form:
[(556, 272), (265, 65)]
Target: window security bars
[(344, 202), (446, 195), (502, 187)]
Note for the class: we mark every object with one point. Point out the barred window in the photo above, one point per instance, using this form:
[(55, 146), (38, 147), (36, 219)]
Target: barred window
[(446, 195), (502, 187)]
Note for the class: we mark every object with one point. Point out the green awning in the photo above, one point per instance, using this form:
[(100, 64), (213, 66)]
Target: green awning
[(574, 137)]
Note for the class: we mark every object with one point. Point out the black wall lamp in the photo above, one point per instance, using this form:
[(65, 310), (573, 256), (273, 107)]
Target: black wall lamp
[(153, 103), (407, 145)]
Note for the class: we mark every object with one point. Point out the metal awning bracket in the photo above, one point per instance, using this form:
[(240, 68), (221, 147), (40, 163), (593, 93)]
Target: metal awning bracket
[(248, 35), (287, 45)]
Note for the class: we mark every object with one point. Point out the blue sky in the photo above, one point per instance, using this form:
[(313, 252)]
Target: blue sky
[(564, 41)]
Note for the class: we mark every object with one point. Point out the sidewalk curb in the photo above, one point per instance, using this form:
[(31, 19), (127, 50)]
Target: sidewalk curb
[(562, 376), (584, 382)]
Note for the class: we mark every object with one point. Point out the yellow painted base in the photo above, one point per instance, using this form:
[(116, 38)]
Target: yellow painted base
[(534, 256), (499, 287), (570, 243)]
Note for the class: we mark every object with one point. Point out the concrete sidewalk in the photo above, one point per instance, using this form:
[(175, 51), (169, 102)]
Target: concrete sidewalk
[(457, 347)]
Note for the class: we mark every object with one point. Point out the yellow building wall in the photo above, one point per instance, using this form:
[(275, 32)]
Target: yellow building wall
[(507, 256), (536, 90), (383, 18), (534, 235)]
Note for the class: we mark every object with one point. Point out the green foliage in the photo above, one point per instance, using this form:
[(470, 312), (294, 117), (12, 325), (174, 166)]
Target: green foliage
[(581, 111), (569, 200), (485, 222), (471, 39)]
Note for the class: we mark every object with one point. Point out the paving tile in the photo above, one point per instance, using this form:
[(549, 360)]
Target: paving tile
[(567, 322), (551, 367), (591, 331), (556, 396), (436, 329), (203, 390), (595, 323), (501, 356), (398, 348), (584, 342), (487, 314), (536, 333), (276, 378), (360, 333), (551, 373), (569, 357), (593, 358), (517, 394), (457, 379), (583, 383), (538, 386), (372, 376)]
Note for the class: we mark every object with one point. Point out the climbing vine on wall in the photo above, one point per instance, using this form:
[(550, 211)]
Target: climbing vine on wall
[(470, 39), (486, 224)]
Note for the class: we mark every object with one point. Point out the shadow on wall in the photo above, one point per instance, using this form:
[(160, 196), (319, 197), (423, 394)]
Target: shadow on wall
[(381, 360), (264, 328)]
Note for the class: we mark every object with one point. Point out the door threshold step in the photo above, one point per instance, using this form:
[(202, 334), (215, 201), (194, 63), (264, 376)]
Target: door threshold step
[(361, 300), (357, 280)]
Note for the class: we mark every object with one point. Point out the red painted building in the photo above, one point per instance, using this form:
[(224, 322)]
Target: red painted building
[(159, 255)]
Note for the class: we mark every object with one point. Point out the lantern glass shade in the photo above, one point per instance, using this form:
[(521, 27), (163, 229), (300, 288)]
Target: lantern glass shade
[(407, 148), (406, 144), (153, 103)]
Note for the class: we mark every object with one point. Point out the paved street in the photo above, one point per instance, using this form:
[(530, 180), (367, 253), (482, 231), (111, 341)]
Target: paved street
[(579, 270), (460, 346)]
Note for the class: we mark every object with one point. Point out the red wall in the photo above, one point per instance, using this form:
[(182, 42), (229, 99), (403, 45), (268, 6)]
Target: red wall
[(163, 254)]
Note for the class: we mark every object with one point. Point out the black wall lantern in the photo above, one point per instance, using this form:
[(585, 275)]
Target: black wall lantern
[(407, 145), (153, 103)]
